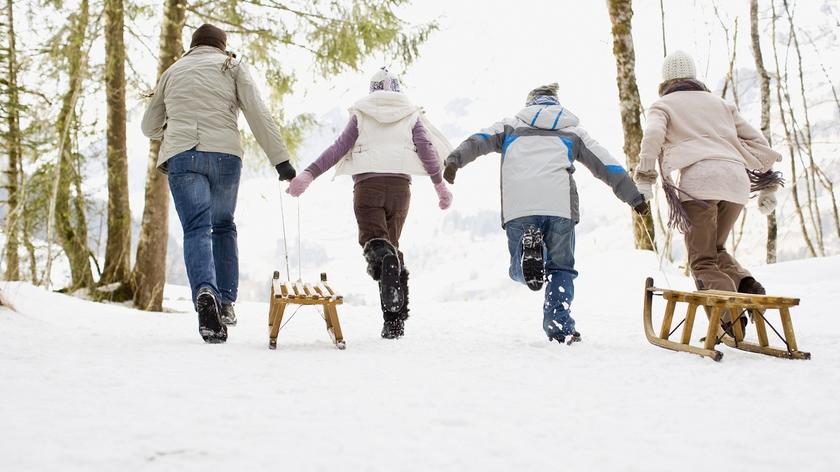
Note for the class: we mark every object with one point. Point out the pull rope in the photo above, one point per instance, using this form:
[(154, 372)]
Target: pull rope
[(285, 245), (656, 251), (300, 271)]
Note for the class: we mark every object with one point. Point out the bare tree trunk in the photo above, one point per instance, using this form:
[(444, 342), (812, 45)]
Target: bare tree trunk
[(794, 184), (149, 274), (816, 171), (662, 23), (621, 16), (811, 170), (764, 82), (72, 235), (118, 248), (729, 81), (13, 148)]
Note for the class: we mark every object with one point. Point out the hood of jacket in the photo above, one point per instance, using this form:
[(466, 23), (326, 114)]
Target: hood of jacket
[(549, 117), (385, 106)]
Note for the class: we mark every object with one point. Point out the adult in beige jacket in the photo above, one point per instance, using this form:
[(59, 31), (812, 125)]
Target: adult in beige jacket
[(718, 156), (194, 112)]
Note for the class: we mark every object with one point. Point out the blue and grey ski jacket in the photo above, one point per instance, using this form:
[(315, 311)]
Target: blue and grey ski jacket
[(539, 148)]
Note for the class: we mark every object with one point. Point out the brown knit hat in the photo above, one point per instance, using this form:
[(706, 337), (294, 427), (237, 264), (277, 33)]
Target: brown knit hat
[(209, 35)]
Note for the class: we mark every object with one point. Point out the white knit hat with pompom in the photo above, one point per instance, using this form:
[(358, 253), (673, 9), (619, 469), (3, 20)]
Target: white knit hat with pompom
[(678, 65)]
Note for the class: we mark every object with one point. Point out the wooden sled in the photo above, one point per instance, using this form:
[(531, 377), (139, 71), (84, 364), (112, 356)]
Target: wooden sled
[(715, 303), (300, 293)]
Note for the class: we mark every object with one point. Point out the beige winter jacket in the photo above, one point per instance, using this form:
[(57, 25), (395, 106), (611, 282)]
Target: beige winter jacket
[(687, 127), (196, 105)]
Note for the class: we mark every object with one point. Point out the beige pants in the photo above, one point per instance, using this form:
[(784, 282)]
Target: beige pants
[(712, 267)]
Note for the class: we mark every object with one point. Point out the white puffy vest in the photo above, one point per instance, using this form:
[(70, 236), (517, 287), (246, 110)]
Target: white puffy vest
[(386, 142)]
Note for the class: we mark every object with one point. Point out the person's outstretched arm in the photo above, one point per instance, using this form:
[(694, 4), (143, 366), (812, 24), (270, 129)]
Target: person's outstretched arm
[(488, 140), (330, 157), (431, 163), (607, 169), (259, 117), (754, 141)]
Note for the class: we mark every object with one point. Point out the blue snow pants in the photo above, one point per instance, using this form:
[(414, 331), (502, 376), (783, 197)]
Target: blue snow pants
[(559, 255)]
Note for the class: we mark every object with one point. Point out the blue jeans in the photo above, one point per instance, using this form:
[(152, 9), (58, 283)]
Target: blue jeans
[(559, 255), (204, 186)]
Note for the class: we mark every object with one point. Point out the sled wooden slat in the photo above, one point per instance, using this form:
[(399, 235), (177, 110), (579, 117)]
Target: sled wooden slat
[(301, 293), (718, 303)]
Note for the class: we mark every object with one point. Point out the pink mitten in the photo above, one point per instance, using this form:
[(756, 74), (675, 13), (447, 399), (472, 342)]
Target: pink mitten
[(299, 184), (444, 195)]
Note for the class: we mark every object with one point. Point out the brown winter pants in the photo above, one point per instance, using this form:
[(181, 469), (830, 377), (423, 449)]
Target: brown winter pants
[(381, 206), (712, 267)]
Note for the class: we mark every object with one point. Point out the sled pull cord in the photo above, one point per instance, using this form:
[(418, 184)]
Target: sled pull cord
[(656, 251), (285, 245), (300, 272)]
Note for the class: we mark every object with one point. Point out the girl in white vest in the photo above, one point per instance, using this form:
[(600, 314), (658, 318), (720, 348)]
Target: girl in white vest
[(387, 140)]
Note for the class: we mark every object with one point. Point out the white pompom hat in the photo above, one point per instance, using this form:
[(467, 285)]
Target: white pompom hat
[(678, 65)]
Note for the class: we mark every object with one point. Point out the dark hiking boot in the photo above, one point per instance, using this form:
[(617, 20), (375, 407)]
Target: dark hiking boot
[(393, 328), (563, 339), (750, 285), (404, 287), (210, 325), (228, 315), (390, 290), (374, 251), (384, 266), (533, 265)]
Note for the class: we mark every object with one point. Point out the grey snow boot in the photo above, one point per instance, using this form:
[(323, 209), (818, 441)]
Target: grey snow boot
[(228, 315)]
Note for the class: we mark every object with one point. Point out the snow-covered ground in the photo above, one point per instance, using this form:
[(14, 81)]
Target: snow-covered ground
[(473, 386)]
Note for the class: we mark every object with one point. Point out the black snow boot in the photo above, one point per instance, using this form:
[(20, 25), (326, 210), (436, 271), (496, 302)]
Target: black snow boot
[(384, 266), (533, 265), (210, 325), (228, 315), (567, 340), (750, 285), (393, 326)]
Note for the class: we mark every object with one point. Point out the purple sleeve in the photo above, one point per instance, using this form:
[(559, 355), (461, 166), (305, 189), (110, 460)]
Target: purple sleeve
[(428, 154), (342, 145)]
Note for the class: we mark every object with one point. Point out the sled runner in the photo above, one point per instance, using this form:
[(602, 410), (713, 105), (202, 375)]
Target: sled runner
[(715, 303), (301, 293)]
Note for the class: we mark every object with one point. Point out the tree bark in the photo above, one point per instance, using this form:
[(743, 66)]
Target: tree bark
[(764, 83), (72, 235), (621, 16), (13, 148), (118, 248), (794, 187), (149, 274)]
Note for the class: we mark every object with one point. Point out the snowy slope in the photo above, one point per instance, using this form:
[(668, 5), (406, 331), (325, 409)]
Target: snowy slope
[(473, 386)]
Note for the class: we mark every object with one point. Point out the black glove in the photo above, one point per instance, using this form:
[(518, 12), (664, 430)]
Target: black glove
[(449, 173), (642, 208), (285, 170)]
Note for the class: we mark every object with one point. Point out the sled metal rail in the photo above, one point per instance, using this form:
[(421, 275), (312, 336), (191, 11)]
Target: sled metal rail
[(285, 293), (716, 303)]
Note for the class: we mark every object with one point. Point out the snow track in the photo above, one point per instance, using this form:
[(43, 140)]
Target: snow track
[(474, 385)]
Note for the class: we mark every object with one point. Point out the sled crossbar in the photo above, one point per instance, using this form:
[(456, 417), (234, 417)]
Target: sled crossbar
[(285, 293), (717, 304)]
